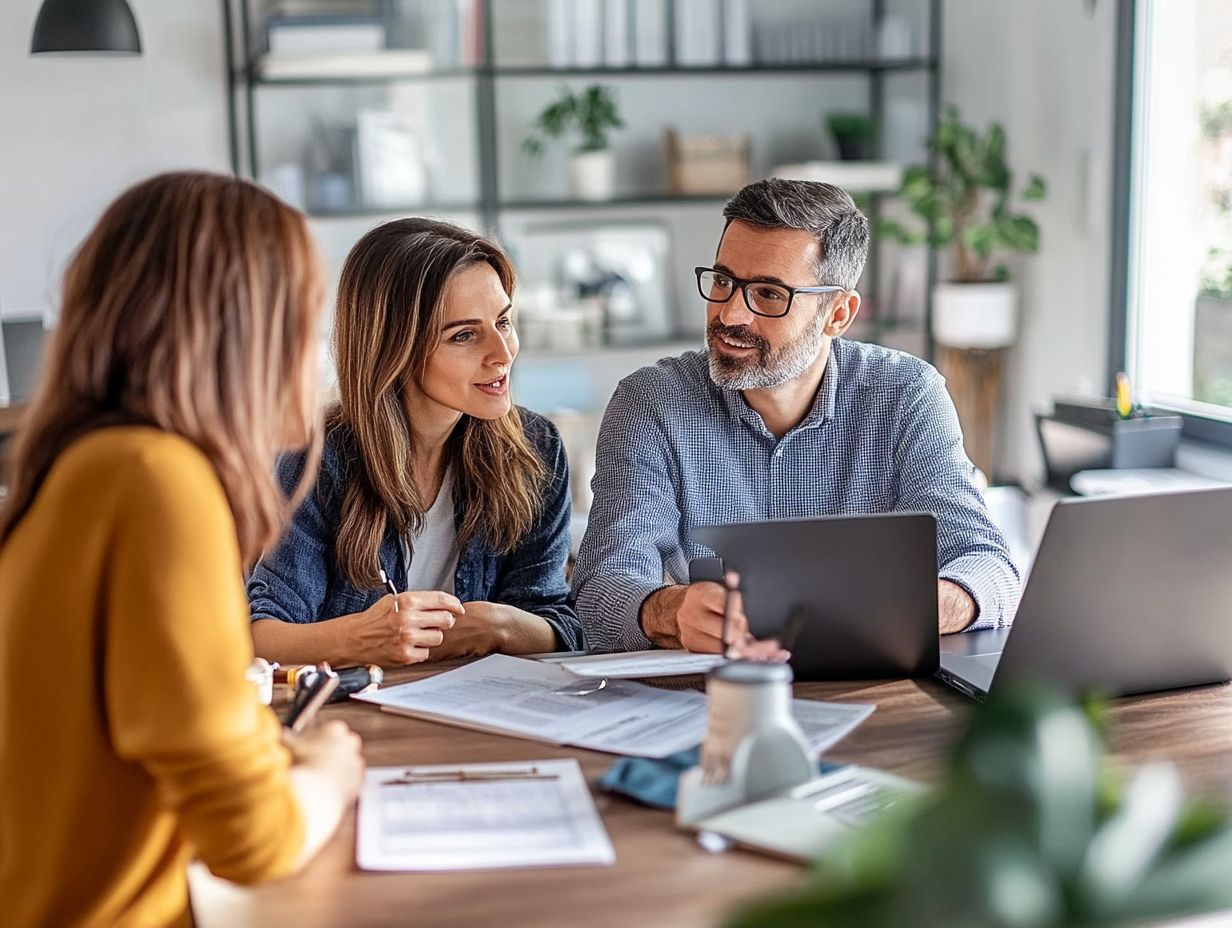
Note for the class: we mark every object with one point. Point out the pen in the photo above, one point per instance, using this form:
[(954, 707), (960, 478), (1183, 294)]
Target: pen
[(728, 587), (310, 699), (468, 776), (389, 585)]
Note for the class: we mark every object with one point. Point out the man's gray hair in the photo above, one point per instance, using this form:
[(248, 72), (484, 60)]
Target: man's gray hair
[(828, 212)]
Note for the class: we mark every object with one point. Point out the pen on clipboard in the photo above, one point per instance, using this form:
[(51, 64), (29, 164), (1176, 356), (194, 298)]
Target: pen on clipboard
[(389, 585), (467, 776), (310, 699)]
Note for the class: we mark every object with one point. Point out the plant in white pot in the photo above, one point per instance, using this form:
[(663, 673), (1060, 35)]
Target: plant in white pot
[(966, 201), (591, 114)]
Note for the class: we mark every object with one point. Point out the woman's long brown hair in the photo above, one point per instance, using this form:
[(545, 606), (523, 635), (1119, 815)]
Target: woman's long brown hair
[(192, 308), (387, 324)]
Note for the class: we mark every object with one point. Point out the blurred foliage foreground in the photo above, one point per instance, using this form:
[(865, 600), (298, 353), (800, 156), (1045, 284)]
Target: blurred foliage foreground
[(1029, 829)]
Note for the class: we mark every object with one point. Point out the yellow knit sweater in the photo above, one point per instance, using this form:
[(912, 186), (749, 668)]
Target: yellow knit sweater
[(130, 739)]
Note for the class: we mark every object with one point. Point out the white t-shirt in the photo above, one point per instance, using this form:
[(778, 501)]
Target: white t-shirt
[(433, 553)]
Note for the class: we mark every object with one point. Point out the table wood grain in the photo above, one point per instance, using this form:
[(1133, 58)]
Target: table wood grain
[(661, 876)]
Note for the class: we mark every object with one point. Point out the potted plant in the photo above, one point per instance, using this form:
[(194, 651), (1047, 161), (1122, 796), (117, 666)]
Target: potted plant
[(854, 134), (966, 201), (591, 114), (1030, 829)]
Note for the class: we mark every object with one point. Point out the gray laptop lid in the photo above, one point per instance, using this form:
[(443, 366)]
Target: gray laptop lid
[(1127, 595), (851, 596)]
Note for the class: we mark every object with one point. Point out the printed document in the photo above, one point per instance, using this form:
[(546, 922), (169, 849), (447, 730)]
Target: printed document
[(524, 814), (655, 663), (545, 702)]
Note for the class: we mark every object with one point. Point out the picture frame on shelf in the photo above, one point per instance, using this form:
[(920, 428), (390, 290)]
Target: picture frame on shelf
[(587, 285)]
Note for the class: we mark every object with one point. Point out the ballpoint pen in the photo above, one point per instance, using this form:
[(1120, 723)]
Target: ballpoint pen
[(468, 776), (389, 585)]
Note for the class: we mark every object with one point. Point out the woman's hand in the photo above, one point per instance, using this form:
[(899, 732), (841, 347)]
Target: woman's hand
[(333, 751), (387, 636), (487, 628)]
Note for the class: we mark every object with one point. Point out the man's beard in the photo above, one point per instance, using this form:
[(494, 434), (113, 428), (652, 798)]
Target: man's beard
[(768, 368)]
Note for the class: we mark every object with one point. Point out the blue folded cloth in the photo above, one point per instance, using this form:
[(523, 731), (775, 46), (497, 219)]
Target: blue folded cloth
[(653, 782)]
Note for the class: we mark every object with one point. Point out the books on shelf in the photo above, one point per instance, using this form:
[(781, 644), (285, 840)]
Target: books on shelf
[(304, 35), (616, 33), (587, 33), (737, 33), (650, 33), (856, 176), (391, 62), (698, 33)]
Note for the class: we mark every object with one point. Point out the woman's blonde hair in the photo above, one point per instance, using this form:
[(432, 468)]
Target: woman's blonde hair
[(191, 307), (387, 324)]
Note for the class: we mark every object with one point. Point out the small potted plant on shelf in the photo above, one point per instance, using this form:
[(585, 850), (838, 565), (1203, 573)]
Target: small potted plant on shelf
[(854, 134), (591, 114), (1030, 829), (966, 201)]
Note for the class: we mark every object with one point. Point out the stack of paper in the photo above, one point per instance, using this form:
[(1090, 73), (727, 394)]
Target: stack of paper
[(536, 814), (632, 665), (387, 62), (545, 702)]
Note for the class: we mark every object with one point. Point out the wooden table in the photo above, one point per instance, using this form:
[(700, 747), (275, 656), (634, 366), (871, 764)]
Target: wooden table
[(661, 876)]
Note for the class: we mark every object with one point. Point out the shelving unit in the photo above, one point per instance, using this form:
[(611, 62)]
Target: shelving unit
[(491, 203)]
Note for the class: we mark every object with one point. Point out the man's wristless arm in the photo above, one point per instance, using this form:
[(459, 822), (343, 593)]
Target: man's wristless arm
[(658, 616)]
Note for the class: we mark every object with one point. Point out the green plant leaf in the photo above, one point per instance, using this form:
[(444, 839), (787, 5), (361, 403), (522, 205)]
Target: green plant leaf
[(591, 113), (1018, 233), (1123, 850), (995, 173), (1001, 273), (896, 231), (980, 238), (1036, 189), (855, 126)]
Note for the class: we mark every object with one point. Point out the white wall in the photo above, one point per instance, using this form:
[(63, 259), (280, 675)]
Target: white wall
[(1045, 69), (76, 131)]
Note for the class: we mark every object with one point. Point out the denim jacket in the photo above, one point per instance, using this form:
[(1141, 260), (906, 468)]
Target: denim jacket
[(299, 581)]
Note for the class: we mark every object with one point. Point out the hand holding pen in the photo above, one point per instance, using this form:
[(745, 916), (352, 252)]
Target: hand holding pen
[(739, 642), (400, 628)]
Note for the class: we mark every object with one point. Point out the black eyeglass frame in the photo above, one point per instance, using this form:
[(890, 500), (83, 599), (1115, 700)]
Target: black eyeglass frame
[(742, 286)]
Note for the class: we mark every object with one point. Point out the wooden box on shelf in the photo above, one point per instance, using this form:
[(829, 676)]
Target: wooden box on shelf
[(699, 164)]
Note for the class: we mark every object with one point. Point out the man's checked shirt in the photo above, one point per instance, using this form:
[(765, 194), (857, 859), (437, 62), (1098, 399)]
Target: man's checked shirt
[(676, 451)]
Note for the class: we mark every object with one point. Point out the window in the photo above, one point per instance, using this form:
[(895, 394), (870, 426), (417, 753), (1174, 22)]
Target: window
[(1178, 335)]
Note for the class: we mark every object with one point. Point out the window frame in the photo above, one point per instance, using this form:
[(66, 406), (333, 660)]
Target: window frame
[(1211, 430)]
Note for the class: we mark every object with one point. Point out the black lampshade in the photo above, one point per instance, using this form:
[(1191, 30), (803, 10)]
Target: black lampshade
[(86, 26)]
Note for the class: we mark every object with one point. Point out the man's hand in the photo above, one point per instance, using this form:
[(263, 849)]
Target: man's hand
[(691, 617), (955, 607)]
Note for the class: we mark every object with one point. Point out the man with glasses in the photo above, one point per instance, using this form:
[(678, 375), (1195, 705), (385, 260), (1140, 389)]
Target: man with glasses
[(779, 417)]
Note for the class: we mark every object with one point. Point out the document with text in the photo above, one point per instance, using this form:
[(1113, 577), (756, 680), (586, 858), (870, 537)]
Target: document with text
[(634, 664), (544, 702), (476, 816)]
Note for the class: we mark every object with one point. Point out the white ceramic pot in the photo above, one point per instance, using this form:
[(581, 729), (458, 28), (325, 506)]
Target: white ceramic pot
[(975, 315), (590, 175)]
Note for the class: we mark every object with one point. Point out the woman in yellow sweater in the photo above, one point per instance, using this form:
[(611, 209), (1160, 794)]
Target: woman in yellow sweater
[(142, 487)]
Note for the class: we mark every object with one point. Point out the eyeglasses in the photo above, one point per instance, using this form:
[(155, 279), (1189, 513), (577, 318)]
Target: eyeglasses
[(761, 297)]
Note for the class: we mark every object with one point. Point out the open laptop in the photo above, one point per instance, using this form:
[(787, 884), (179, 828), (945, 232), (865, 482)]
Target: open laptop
[(1128, 594), (851, 597)]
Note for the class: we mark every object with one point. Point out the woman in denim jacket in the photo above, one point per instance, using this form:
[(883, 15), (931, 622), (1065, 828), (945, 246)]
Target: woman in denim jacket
[(432, 482)]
